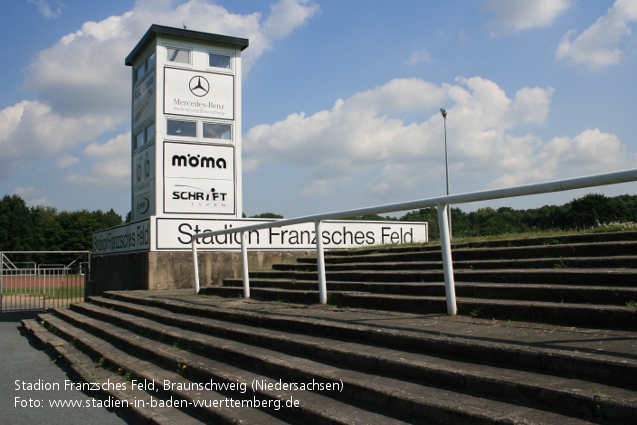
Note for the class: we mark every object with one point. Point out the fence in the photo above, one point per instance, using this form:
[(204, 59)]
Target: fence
[(40, 280), (442, 203)]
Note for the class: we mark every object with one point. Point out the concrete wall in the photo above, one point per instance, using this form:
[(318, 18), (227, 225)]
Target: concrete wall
[(174, 270)]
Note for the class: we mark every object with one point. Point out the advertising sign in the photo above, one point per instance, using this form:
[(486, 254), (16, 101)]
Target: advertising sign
[(144, 100), (198, 178), (198, 94), (177, 234), (126, 238), (143, 183)]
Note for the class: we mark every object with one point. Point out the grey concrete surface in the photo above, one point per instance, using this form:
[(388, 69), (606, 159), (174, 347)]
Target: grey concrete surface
[(20, 361)]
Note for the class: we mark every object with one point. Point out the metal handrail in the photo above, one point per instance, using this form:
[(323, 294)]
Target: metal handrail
[(440, 202)]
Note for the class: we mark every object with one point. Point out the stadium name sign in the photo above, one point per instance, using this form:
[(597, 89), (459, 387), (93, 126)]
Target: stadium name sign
[(176, 234)]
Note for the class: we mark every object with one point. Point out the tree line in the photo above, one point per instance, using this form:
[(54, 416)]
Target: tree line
[(580, 214), (24, 228)]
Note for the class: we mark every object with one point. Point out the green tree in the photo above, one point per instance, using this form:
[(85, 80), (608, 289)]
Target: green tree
[(45, 229), (371, 217), (15, 230), (547, 217), (77, 228), (428, 215), (267, 215), (590, 210)]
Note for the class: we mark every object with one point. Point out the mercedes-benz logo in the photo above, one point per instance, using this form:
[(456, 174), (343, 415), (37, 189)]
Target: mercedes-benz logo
[(199, 86)]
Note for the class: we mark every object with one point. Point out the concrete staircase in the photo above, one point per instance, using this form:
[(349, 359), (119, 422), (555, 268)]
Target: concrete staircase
[(580, 280), (387, 355)]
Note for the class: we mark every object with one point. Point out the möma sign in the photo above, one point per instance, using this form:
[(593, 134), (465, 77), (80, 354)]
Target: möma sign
[(177, 234), (198, 178)]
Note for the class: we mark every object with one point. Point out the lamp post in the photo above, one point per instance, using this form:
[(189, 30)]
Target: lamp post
[(444, 117)]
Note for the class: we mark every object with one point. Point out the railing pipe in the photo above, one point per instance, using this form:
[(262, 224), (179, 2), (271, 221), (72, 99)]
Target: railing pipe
[(616, 177), (447, 261), (195, 261), (320, 264), (244, 265)]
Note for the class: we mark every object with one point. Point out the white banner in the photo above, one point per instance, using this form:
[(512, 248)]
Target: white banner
[(198, 94), (198, 178), (177, 234), (129, 237)]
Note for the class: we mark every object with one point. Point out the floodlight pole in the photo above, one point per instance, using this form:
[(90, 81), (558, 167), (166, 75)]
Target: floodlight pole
[(444, 117)]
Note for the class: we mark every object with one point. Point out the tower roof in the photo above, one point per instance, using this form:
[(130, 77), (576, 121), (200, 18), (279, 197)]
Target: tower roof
[(156, 30)]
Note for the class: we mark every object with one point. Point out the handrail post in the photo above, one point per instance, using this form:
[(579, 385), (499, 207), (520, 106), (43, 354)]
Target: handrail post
[(320, 263), (196, 264), (244, 265), (447, 261)]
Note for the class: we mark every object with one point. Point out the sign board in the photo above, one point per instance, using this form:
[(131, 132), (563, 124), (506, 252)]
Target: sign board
[(198, 178), (129, 237), (198, 94), (144, 100), (177, 234), (144, 182)]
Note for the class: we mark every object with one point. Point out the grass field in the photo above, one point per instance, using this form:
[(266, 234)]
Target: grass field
[(35, 292), (12, 281), (50, 292)]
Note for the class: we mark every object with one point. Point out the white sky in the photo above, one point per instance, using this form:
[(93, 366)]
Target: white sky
[(341, 98)]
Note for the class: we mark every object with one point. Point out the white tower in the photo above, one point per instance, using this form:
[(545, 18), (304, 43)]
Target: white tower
[(186, 124)]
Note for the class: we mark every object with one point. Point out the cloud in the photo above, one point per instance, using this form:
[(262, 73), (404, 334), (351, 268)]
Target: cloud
[(321, 187), (514, 16), (354, 134), (598, 47), (66, 160), (111, 174), (365, 137), (27, 194), (24, 191), (117, 147), (418, 57), (31, 130), (287, 15), (83, 87), (590, 152), (46, 10), (111, 166)]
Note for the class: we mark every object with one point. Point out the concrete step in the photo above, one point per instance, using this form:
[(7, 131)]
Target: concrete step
[(554, 276), (195, 371), (489, 381), (602, 316), (618, 296), (308, 264), (84, 369), (372, 375), (543, 337), (467, 253), (474, 339), (507, 244), (587, 280)]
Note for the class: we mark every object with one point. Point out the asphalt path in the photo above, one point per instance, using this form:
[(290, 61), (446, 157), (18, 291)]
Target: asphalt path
[(22, 362)]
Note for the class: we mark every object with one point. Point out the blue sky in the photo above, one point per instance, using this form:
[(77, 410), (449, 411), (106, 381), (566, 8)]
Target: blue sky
[(340, 98)]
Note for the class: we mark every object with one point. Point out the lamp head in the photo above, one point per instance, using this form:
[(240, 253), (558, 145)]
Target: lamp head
[(443, 112)]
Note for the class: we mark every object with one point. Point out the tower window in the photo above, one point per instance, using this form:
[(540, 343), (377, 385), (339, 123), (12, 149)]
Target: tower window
[(178, 55), (218, 61), (181, 128), (217, 131)]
